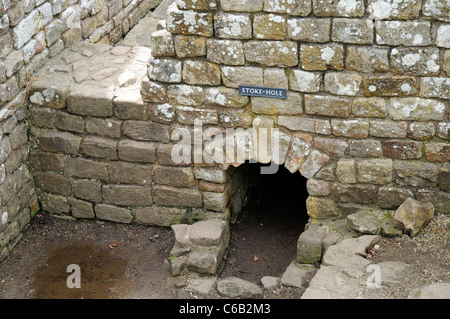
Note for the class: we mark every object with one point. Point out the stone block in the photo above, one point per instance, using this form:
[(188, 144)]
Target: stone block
[(394, 10), (54, 204), (309, 247), (269, 27), (402, 149), (91, 101), (160, 216), (165, 70), (415, 173), (242, 5), (440, 200), (60, 142), (113, 213), (350, 128), (176, 197), (210, 174), (173, 176), (233, 26), (369, 107), (186, 95), (46, 161), (229, 52), (421, 131), (437, 152), (215, 201), (342, 83), (328, 8), (443, 130), (355, 31), (321, 208), (272, 53), (295, 123), (446, 62), (349, 193), (415, 61), (6, 44), (416, 109), (383, 128), (189, 46), (99, 147), (126, 195), (226, 97), (444, 177), (438, 87), (188, 115), (189, 22), (320, 57), (367, 59), (365, 148), (290, 106), (103, 127), (303, 81), (316, 187), (162, 44), (201, 73), (201, 5), (327, 105), (134, 151), (153, 92), (26, 28), (407, 33), (68, 122), (146, 131), (392, 197), (346, 171), (443, 37), (130, 173), (374, 171), (436, 9), (18, 136), (233, 76), (309, 29), (13, 62), (8, 90), (331, 146), (81, 209), (85, 168), (390, 86), (129, 104), (53, 183), (53, 31), (413, 215), (162, 113), (89, 190), (276, 77)]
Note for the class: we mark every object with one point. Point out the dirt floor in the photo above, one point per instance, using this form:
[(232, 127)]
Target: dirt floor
[(120, 261)]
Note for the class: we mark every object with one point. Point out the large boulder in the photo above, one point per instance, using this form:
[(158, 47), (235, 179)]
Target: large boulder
[(412, 216)]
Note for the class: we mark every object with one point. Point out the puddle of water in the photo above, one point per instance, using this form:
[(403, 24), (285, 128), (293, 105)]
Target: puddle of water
[(100, 274)]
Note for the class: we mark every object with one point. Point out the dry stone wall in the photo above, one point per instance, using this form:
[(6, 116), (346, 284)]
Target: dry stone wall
[(31, 33), (366, 118)]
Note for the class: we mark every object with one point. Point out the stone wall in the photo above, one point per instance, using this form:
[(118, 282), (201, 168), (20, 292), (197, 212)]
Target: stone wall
[(366, 119), (32, 32)]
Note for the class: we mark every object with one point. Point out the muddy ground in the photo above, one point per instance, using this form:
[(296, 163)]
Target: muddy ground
[(120, 261)]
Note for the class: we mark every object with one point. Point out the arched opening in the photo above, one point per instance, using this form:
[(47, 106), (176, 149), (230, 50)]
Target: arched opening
[(264, 233)]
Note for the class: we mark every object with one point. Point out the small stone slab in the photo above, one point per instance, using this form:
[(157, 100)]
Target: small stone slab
[(295, 275), (201, 285), (234, 287), (207, 233), (270, 282)]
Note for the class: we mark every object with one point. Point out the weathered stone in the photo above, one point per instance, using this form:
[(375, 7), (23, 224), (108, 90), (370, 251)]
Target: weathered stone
[(366, 222), (234, 287), (163, 113), (53, 183), (442, 36), (103, 127), (208, 232), (54, 204), (321, 208), (305, 81), (320, 57), (8, 90), (189, 22), (165, 70), (146, 131), (133, 151), (392, 197), (189, 46), (414, 108), (197, 4), (403, 33), (346, 171), (229, 52), (390, 86), (188, 115), (60, 142), (233, 26), (126, 195), (415, 61), (342, 83), (226, 97), (242, 5), (327, 105), (153, 92), (290, 106), (99, 147), (363, 194), (270, 282), (309, 247), (130, 173), (178, 197), (444, 177), (414, 173), (6, 44), (186, 95), (201, 285), (402, 149), (201, 73), (382, 128), (241, 75), (391, 10), (26, 28), (440, 200), (87, 100), (317, 187), (13, 62), (160, 216), (88, 190), (85, 168), (435, 87), (367, 59), (305, 124), (443, 130), (413, 215), (438, 290), (269, 27), (205, 260), (309, 29), (113, 213), (173, 176), (162, 44), (276, 77), (313, 162), (350, 128), (215, 201), (365, 148), (374, 171), (437, 152), (330, 146), (81, 209), (357, 31), (445, 62), (296, 275), (328, 8), (46, 161), (272, 53)]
